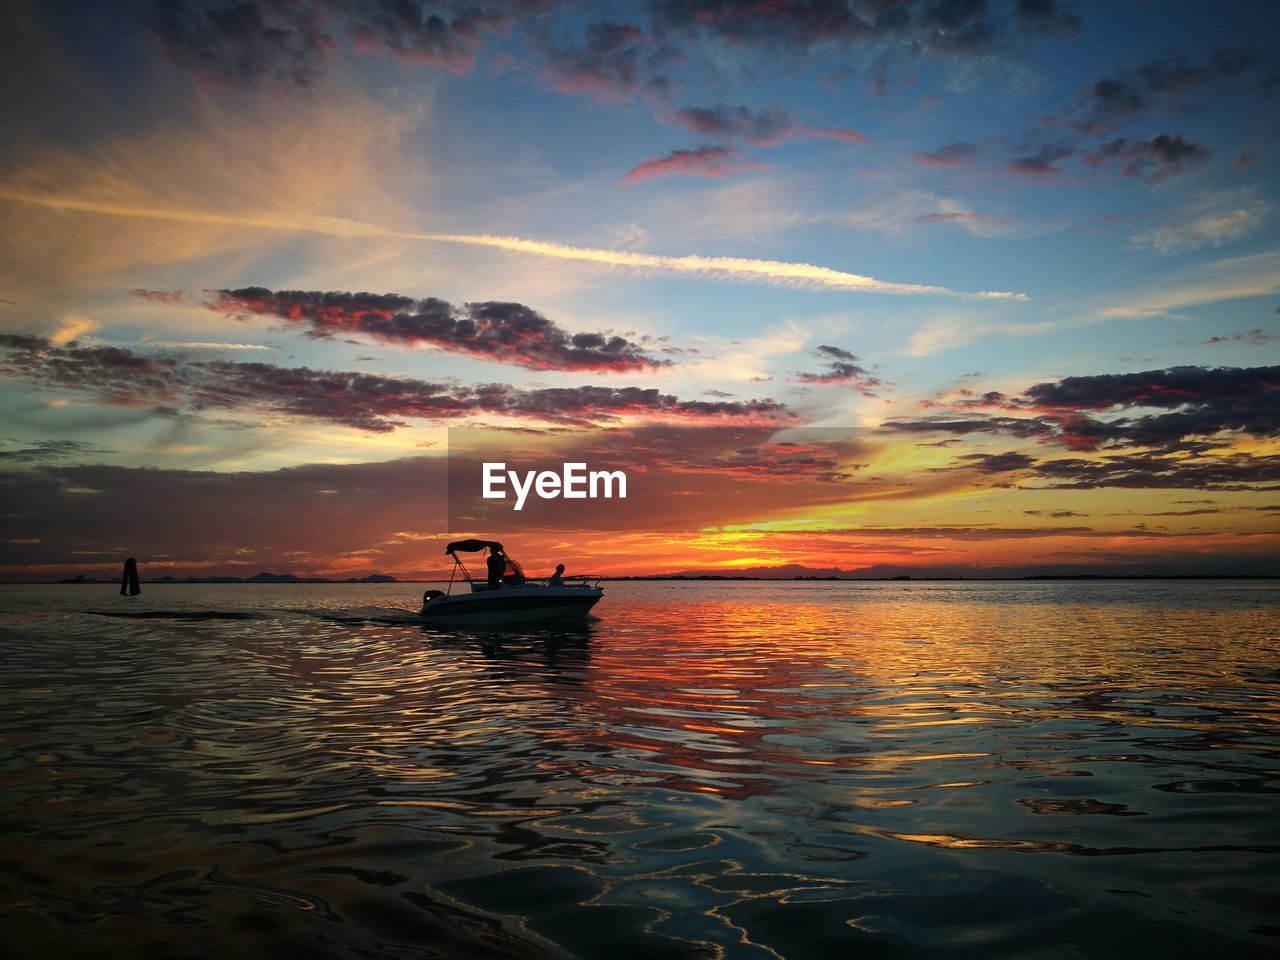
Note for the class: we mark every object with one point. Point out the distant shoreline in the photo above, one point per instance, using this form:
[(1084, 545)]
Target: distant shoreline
[(381, 579)]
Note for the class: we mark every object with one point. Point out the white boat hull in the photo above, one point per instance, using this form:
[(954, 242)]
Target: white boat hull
[(527, 604)]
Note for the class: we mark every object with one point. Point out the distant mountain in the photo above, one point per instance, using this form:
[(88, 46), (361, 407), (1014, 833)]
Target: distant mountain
[(885, 571), (268, 577)]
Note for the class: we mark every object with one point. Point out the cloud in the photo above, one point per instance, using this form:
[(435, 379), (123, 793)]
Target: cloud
[(963, 217), (1197, 402), (1174, 387), (950, 331), (178, 179), (702, 162), (1145, 471), (959, 154), (1246, 159), (1201, 402), (1048, 16), (767, 127), (73, 325), (1256, 336), (780, 462), (769, 271), (244, 41), (501, 332), (257, 42), (956, 27), (997, 462), (1156, 86), (442, 34), (168, 297), (1212, 221), (1042, 162), (48, 451), (370, 402), (614, 62), (1256, 275), (841, 369), (202, 345), (896, 210), (1153, 160), (1024, 427), (838, 353)]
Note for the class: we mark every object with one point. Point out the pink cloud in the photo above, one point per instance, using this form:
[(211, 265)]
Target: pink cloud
[(703, 162)]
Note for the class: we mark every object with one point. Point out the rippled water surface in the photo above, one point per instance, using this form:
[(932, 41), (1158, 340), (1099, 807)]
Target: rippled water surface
[(732, 769)]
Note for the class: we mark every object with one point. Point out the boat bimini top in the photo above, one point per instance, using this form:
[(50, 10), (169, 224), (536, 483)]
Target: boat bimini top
[(512, 572)]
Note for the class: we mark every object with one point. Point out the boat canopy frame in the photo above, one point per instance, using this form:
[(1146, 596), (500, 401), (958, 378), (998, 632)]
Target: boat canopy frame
[(512, 572), (511, 569)]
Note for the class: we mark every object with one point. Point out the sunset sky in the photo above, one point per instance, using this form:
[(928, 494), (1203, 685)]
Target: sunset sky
[(882, 285)]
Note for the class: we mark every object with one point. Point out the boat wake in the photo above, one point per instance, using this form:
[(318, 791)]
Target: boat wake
[(180, 614), (388, 615)]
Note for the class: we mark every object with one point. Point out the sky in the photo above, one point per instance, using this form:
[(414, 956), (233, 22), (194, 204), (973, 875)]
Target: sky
[(884, 286)]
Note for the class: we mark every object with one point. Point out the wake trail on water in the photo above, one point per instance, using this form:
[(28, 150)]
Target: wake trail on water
[(384, 615)]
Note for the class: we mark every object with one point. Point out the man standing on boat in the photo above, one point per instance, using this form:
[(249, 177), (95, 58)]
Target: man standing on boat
[(496, 562)]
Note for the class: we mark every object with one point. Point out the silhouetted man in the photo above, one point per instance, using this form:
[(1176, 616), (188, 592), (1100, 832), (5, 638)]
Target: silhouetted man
[(557, 578), (496, 562)]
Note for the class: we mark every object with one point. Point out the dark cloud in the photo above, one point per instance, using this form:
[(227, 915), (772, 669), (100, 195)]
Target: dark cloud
[(46, 451), (767, 126), (1152, 160), (996, 462), (838, 353), (772, 125), (1014, 426), (841, 368), (840, 372), (1232, 472), (358, 400), (1201, 402), (430, 34), (1087, 413), (244, 41), (1158, 86), (970, 532), (1256, 336), (785, 462), (958, 27), (1041, 162), (714, 161), (614, 61), (1173, 387), (258, 41), (1047, 16), (957, 154), (501, 332)]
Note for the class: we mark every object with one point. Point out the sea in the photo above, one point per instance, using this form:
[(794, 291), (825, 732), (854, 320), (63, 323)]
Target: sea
[(752, 769)]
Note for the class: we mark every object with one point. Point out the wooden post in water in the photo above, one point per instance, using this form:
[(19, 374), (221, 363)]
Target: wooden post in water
[(129, 585)]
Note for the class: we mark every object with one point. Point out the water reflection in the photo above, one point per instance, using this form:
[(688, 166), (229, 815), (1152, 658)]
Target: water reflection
[(553, 653), (969, 769)]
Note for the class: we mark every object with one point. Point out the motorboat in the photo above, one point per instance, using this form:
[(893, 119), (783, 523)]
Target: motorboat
[(513, 599)]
